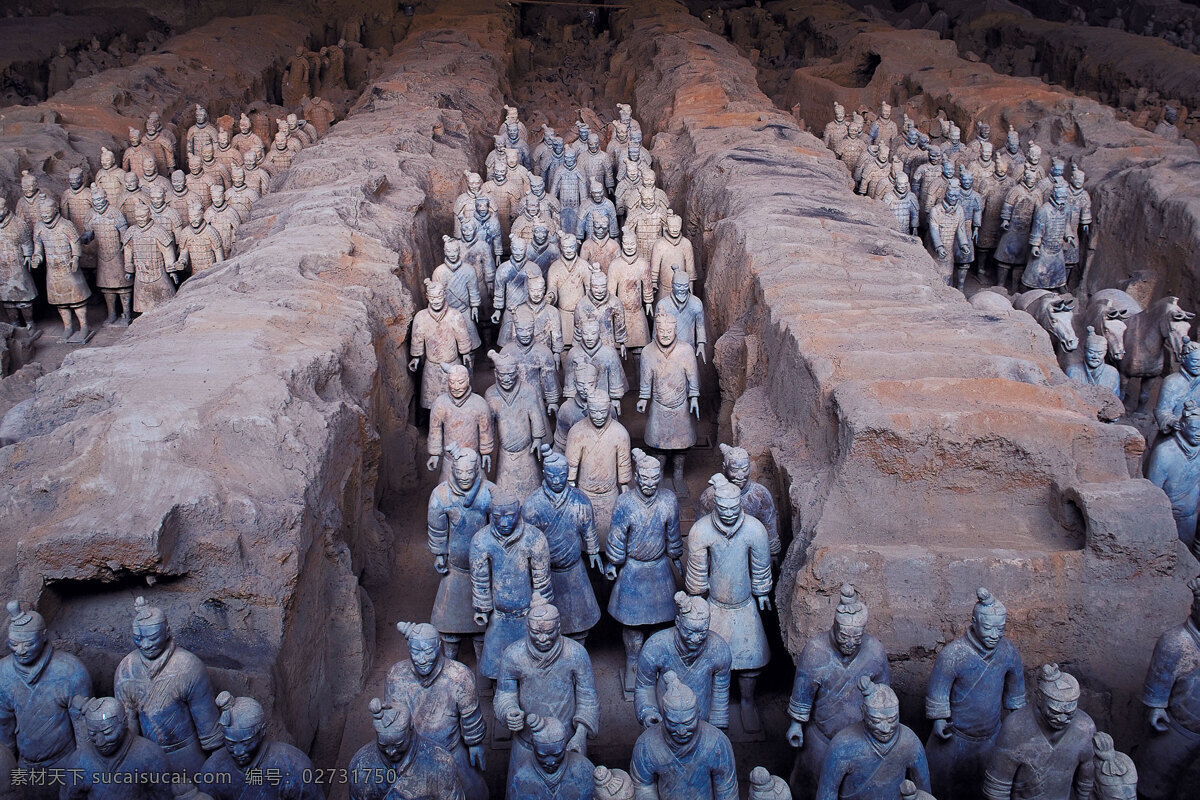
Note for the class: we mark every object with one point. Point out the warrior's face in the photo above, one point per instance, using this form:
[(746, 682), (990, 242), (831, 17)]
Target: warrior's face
[(692, 632), (424, 654), (729, 509), (681, 724), (48, 213), (882, 723), (568, 247), (598, 412), (524, 330), (500, 172), (244, 126), (848, 638), (394, 742), (107, 159), (664, 332), (989, 629), (201, 116), (504, 519), (436, 299), (543, 633), (1057, 713), (481, 207), (1094, 355), (243, 744), (460, 385), (629, 245), (453, 254), (75, 179), (135, 137), (107, 735), (131, 182), (506, 377), (596, 193), (1191, 359), (674, 226), (590, 334), (737, 471), (680, 291), (26, 646), (555, 476), (1190, 428), (599, 227), (151, 640), (648, 479), (550, 755)]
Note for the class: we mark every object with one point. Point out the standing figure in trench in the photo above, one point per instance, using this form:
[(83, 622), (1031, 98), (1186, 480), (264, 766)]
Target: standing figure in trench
[(564, 514), (296, 79), (112, 762), (1044, 749), (463, 291), (630, 280), (756, 498), (599, 304), (457, 509), (1048, 237), (837, 128), (871, 758), (1172, 698), (459, 417), (571, 188), (1175, 468), (56, 244), (946, 240), (510, 565), (600, 248), (400, 761), (235, 772), (554, 771), (669, 389), (729, 561), (440, 336), (672, 252), (200, 134), (990, 230), (1079, 227), (566, 284), (442, 699), (167, 694), (110, 177), (976, 678), (17, 289), (535, 362), (505, 194), (511, 284), (1093, 371), (596, 210), (643, 543), (519, 420), (688, 312), (825, 697), (583, 383), (1178, 387), (699, 657), (1016, 219), (904, 206), (108, 227), (150, 258), (599, 460), (972, 206), (37, 685)]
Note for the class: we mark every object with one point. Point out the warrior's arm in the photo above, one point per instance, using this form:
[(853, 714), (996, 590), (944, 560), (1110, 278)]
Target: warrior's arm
[(724, 772), (1160, 676), (539, 569), (804, 691), (508, 687), (481, 580), (674, 537), (937, 692), (1014, 683), (833, 772), (587, 532), (1001, 769), (437, 527), (641, 774), (760, 566), (551, 393), (719, 713), (8, 724), (487, 433), (697, 570), (587, 701), (1085, 775), (205, 716), (470, 717)]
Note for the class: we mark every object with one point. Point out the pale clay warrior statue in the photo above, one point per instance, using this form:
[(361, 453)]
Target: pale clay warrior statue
[(836, 130), (400, 761), (536, 363), (201, 133), (599, 304), (825, 697), (729, 561), (459, 417), (975, 680), (440, 336), (688, 311), (630, 281), (553, 771), (1175, 468), (107, 227), (110, 177), (443, 702), (57, 245), (566, 284), (671, 253), (643, 543), (457, 509), (564, 514), (235, 772), (149, 260), (611, 784), (223, 218), (200, 246), (167, 694), (17, 289), (1172, 699), (1045, 748), (903, 205), (519, 420), (699, 657), (574, 408), (599, 460), (756, 498), (669, 393), (462, 286), (600, 248), (1178, 387)]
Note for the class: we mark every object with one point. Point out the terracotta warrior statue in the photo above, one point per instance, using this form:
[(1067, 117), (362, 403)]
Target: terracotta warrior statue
[(837, 128), (1174, 468), (629, 279), (643, 543), (610, 372), (17, 289), (574, 407), (566, 284), (505, 194), (200, 246), (611, 784), (510, 563), (946, 236), (599, 460), (1048, 236), (443, 703), (512, 289), (669, 392), (553, 771), (1178, 387), (530, 350), (463, 291), (549, 675), (519, 421), (150, 257), (1016, 221), (200, 134), (76, 202), (1093, 371), (993, 203), (688, 312), (131, 159), (245, 140), (699, 657), (476, 253), (109, 764), (683, 756), (1011, 152), (647, 219), (600, 248), (161, 143), (27, 204), (1116, 775), (1079, 226), (971, 203), (1172, 698), (825, 697), (440, 336), (873, 757), (235, 772), (37, 685), (459, 417), (765, 786), (110, 177), (56, 244), (401, 762), (600, 304), (564, 514), (976, 678), (729, 561), (756, 498), (166, 693), (570, 187)]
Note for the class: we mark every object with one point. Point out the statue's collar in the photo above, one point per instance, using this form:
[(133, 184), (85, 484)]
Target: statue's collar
[(428, 680), (33, 672), (1190, 451), (155, 665), (978, 646)]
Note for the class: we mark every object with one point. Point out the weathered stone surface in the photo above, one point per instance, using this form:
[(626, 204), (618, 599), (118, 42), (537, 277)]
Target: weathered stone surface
[(927, 449), (225, 65), (1146, 205), (226, 449)]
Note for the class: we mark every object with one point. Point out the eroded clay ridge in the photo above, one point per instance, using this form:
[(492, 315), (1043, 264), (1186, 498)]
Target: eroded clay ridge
[(223, 65), (925, 448), (1145, 188), (226, 448)]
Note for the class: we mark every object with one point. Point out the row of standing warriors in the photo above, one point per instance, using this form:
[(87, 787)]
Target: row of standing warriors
[(140, 230), (977, 204), (164, 734)]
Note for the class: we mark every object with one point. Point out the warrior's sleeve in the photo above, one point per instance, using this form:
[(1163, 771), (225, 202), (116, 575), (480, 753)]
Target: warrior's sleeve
[(587, 702), (696, 580), (500, 287), (619, 331), (646, 286), (718, 715), (1085, 772), (691, 371), (1001, 769), (689, 261), (1160, 676), (833, 772), (508, 686), (645, 687), (935, 232), (1014, 681), (473, 294), (723, 770), (487, 429), (205, 716), (760, 564), (1038, 230), (481, 576), (574, 456), (122, 694), (470, 717), (416, 340), (1085, 210), (1166, 409), (537, 421), (549, 380), (539, 567), (8, 722), (1010, 200), (614, 548), (977, 214), (671, 525), (616, 374), (918, 765), (1158, 472), (941, 679), (437, 526), (646, 375), (642, 773), (914, 213), (805, 686), (701, 325), (556, 334), (624, 459), (462, 336), (591, 540), (568, 384), (437, 422)]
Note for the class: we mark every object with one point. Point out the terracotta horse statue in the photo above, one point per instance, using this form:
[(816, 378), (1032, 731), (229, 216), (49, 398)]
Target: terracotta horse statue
[(1151, 335), (1055, 313), (1107, 320)]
